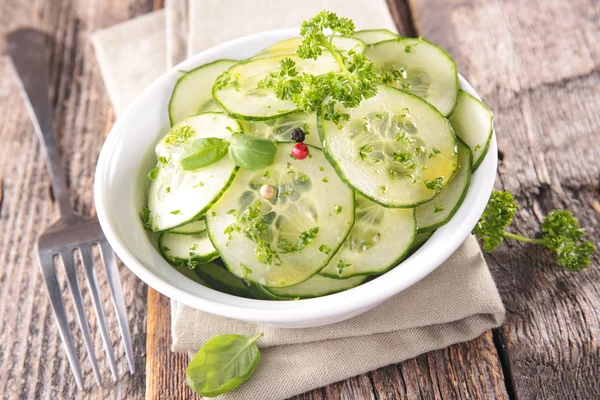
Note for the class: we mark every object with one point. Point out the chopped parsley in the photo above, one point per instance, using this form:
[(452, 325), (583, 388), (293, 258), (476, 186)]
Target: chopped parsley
[(341, 265), (438, 209), (434, 184), (365, 150), (145, 217), (324, 249), (176, 212), (179, 134), (337, 209)]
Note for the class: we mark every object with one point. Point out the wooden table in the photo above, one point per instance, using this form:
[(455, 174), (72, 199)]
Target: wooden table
[(536, 63)]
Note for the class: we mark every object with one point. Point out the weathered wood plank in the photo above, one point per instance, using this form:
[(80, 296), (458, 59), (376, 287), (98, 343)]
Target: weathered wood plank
[(32, 360), (537, 66), (165, 370)]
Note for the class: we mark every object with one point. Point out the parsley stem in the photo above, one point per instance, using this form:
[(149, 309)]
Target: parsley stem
[(336, 55), (522, 238)]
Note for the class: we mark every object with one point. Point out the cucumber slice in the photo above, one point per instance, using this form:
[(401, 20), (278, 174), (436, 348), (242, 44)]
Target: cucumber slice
[(419, 67), (193, 91), (280, 129), (473, 122), (188, 250), (218, 278), (189, 273), (380, 238), (396, 149), (176, 196), (191, 228), (372, 36), (438, 211), (289, 238), (289, 46), (237, 92), (420, 239), (317, 286)]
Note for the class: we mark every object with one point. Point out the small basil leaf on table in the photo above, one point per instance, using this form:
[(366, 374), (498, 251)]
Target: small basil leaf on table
[(222, 364), (203, 152), (251, 153)]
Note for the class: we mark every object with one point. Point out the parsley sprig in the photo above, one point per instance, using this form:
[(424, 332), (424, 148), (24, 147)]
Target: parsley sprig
[(356, 79), (561, 235)]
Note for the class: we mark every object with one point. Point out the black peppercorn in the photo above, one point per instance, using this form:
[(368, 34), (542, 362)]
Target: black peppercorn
[(298, 135)]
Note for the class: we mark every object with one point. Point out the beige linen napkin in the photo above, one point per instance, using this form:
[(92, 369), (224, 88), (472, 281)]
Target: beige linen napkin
[(457, 302)]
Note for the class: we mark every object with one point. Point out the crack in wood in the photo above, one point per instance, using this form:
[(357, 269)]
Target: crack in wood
[(504, 362)]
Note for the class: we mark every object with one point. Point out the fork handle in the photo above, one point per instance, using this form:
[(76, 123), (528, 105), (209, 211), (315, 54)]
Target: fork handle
[(27, 50)]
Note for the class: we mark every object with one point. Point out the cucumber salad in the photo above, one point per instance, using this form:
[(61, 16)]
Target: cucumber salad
[(314, 166)]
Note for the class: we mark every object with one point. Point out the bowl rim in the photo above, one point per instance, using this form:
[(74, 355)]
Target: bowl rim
[(350, 302)]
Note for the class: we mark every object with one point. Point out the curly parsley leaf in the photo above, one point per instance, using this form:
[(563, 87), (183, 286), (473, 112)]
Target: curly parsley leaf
[(354, 81), (562, 234), (498, 214)]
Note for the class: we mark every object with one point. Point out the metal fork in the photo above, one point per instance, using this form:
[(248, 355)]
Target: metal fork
[(71, 233)]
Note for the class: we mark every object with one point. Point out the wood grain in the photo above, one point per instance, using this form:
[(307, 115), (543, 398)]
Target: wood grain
[(32, 362), (538, 67)]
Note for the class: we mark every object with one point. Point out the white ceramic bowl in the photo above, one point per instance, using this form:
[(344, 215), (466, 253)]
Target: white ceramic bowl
[(119, 189)]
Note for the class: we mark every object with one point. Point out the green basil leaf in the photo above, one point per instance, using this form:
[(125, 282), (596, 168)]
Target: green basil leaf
[(203, 152), (251, 153), (222, 364)]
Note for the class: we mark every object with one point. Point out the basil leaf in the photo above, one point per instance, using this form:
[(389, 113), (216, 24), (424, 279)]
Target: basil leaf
[(222, 364), (203, 152), (251, 153)]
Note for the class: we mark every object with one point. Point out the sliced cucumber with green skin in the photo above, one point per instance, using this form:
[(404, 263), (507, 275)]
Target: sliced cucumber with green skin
[(419, 67), (396, 149), (420, 239), (188, 250), (191, 228), (473, 122), (193, 91), (372, 36), (438, 211), (280, 129), (317, 286), (289, 46), (176, 196), (218, 278), (237, 92), (380, 238), (288, 238), (189, 273)]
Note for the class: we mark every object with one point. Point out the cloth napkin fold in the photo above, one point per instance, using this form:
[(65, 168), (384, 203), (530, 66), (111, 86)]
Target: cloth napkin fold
[(457, 302)]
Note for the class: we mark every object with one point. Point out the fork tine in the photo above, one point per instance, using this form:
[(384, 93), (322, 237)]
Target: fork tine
[(90, 275), (73, 284), (48, 270), (112, 274)]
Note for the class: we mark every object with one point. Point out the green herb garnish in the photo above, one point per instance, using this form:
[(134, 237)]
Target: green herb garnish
[(203, 152), (355, 80), (340, 266), (561, 233), (179, 134), (222, 364), (434, 184), (145, 217), (324, 249), (251, 153)]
